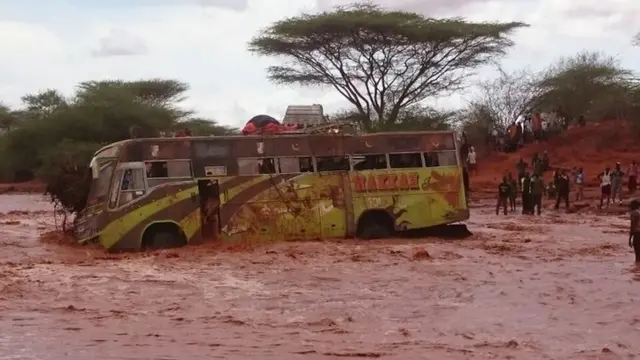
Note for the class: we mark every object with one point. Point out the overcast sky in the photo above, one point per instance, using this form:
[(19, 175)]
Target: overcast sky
[(58, 43)]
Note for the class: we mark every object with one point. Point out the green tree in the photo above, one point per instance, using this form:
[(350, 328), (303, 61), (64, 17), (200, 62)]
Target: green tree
[(380, 61), (8, 118), (204, 127), (43, 103), (590, 84), (57, 137), (413, 118)]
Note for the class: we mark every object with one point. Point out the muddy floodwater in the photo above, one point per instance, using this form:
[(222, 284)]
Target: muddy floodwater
[(560, 286)]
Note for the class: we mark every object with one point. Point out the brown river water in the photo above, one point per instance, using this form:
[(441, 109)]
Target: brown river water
[(560, 286)]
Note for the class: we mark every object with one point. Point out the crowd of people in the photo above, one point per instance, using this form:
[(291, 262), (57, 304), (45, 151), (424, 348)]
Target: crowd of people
[(527, 129), (532, 187)]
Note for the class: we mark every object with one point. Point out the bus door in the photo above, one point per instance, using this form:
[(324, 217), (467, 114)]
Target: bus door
[(209, 209)]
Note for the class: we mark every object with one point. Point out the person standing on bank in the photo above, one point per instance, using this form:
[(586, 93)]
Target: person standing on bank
[(634, 230), (504, 191), (526, 194), (633, 177), (579, 180), (537, 192), (513, 194), (471, 159), (605, 186), (563, 189), (616, 184)]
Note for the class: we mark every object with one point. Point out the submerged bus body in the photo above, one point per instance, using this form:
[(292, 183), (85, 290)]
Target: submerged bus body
[(166, 192)]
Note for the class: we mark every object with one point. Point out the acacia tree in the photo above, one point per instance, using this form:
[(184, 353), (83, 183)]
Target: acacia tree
[(414, 117), (43, 103), (380, 61), (504, 99), (588, 83)]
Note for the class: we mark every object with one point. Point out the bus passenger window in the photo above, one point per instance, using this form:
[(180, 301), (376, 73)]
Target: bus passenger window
[(256, 166), (157, 169), (248, 167), (447, 158), (169, 169), (369, 162), (431, 159), (267, 166), (333, 163), (403, 161), (295, 165)]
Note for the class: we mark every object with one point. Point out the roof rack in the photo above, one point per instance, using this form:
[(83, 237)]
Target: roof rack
[(329, 127)]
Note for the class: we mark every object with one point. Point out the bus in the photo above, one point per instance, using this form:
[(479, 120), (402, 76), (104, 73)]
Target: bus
[(168, 192)]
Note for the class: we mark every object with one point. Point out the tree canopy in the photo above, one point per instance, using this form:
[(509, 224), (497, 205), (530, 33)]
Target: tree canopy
[(381, 61), (53, 137), (588, 84)]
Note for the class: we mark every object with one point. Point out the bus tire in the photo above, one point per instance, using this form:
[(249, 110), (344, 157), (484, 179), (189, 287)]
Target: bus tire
[(375, 224), (163, 236)]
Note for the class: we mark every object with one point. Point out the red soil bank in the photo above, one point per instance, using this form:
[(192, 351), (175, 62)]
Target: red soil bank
[(593, 147)]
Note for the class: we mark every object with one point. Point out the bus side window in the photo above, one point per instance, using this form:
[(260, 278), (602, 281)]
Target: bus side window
[(431, 159), (159, 172), (256, 166), (369, 162), (447, 158), (406, 160), (333, 163), (267, 166), (169, 169), (295, 165)]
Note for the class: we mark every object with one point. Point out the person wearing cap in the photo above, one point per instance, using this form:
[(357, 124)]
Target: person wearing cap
[(634, 229), (616, 183)]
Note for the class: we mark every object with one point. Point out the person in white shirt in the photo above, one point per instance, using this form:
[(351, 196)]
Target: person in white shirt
[(471, 159), (605, 186)]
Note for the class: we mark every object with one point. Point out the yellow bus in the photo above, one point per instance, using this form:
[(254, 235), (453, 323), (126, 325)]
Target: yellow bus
[(169, 192)]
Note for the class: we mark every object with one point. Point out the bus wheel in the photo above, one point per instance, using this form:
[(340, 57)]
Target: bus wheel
[(375, 224), (163, 236)]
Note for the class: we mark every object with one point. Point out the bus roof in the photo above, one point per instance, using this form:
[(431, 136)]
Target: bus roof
[(275, 136), (281, 145)]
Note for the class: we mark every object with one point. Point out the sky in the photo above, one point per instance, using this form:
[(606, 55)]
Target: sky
[(59, 43)]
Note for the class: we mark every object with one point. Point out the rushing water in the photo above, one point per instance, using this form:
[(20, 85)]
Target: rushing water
[(552, 287)]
